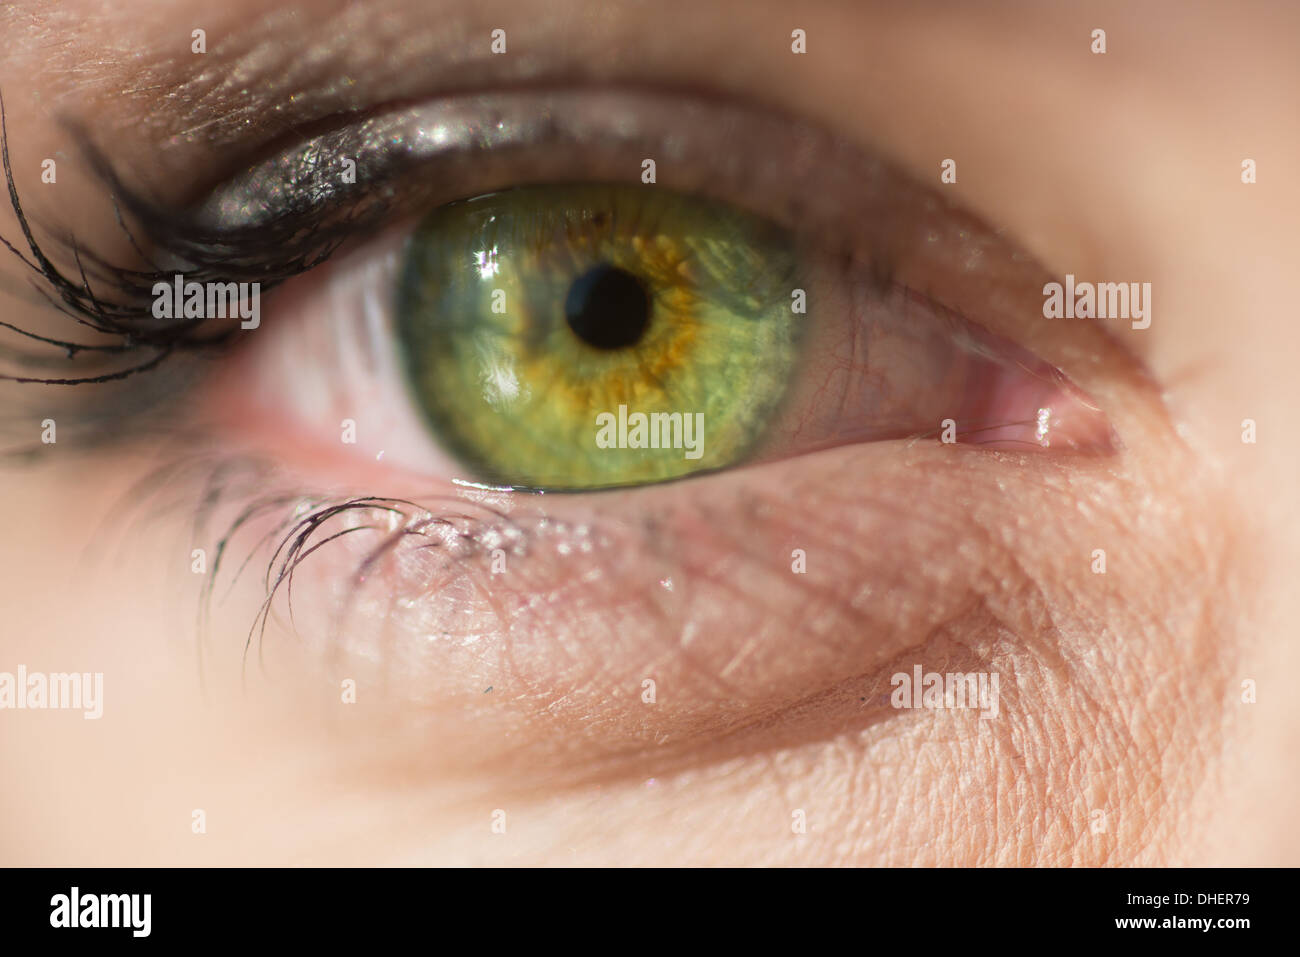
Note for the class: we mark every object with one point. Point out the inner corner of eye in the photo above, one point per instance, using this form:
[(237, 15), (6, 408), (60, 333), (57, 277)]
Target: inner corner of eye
[(1010, 399)]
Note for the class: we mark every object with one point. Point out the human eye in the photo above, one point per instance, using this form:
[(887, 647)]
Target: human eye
[(617, 320)]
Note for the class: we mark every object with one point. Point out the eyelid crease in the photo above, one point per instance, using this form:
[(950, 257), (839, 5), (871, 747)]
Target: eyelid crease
[(466, 145)]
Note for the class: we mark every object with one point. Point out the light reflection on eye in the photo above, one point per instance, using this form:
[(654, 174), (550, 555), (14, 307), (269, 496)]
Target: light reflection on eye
[(486, 261)]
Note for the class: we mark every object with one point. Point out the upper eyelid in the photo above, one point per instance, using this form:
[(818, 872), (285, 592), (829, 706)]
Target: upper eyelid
[(810, 180), (794, 172), (839, 200), (286, 214)]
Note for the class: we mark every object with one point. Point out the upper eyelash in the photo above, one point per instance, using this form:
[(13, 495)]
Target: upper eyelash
[(115, 301)]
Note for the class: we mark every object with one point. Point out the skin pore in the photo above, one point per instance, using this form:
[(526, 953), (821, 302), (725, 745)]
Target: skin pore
[(1120, 693)]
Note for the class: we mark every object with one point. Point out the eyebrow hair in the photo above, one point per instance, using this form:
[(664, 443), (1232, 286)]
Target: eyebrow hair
[(275, 68), (268, 75)]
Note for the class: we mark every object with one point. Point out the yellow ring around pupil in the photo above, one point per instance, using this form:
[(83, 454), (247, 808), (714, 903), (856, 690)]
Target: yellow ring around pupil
[(508, 386)]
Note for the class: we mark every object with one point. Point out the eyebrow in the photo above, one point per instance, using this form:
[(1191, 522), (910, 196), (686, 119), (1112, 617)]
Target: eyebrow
[(268, 75), (259, 71)]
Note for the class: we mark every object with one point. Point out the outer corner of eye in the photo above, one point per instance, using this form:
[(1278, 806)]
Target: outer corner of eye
[(1029, 406)]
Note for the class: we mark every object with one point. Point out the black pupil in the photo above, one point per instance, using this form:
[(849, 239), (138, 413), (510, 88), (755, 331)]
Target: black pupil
[(607, 307)]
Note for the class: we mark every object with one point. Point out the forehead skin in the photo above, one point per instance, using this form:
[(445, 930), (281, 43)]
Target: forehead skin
[(1124, 166)]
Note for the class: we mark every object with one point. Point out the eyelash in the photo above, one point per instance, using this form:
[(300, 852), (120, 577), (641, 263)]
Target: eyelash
[(292, 525), (262, 256)]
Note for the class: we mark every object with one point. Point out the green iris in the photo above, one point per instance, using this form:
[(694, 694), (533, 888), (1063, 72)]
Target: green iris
[(575, 337)]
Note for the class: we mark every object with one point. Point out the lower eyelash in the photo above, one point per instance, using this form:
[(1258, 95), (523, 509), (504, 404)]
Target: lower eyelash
[(293, 526), (462, 535)]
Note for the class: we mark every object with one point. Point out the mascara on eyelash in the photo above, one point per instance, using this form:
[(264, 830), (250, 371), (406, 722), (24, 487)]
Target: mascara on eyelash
[(116, 301)]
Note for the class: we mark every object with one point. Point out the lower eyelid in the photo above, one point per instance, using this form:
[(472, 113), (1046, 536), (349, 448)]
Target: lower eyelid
[(694, 592)]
